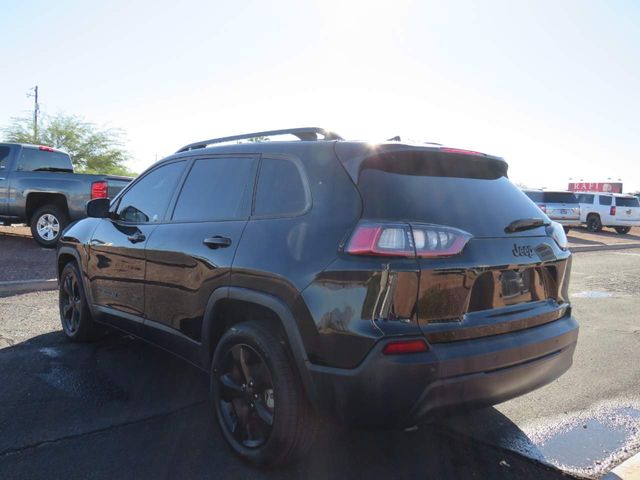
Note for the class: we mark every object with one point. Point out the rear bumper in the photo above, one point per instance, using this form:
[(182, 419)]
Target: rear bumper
[(403, 389), (567, 222)]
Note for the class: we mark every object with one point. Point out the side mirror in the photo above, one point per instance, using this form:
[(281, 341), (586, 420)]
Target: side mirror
[(98, 208)]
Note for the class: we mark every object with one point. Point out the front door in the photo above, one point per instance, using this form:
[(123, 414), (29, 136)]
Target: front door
[(117, 260), (190, 256)]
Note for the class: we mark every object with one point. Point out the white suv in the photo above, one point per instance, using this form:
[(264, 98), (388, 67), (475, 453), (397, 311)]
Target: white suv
[(599, 210)]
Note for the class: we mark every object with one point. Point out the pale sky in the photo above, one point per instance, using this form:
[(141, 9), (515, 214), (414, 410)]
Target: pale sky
[(550, 86)]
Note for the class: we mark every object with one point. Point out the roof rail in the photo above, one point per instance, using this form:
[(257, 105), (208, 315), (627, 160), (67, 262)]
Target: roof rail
[(305, 133)]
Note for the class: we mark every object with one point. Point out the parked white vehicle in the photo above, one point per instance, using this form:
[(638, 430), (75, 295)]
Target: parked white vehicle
[(615, 210)]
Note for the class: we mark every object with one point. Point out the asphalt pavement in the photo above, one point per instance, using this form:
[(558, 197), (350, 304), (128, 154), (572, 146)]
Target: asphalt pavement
[(119, 408)]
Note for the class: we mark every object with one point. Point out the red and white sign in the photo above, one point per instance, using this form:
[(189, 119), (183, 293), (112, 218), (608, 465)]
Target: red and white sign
[(608, 187)]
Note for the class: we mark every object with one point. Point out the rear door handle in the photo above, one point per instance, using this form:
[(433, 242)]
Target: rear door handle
[(217, 242), (136, 237)]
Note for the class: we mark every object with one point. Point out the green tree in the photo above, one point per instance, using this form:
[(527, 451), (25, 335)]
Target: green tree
[(92, 149)]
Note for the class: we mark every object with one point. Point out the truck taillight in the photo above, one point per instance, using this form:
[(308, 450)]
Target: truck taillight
[(612, 211), (99, 190), (406, 240), (543, 208), (42, 148)]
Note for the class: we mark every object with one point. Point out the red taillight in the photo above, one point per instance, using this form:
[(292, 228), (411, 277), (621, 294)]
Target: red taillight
[(612, 211), (405, 346), (46, 149), (404, 240), (461, 151), (99, 190), (382, 240), (543, 208)]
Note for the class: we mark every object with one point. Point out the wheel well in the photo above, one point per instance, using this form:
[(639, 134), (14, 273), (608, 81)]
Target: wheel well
[(37, 200), (592, 214), (63, 260), (229, 312)]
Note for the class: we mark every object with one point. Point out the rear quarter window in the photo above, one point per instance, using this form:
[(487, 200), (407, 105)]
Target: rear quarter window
[(627, 202), (281, 190)]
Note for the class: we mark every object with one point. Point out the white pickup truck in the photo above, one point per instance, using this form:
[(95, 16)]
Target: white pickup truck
[(615, 210)]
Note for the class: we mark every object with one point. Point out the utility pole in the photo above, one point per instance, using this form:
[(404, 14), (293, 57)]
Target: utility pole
[(36, 110)]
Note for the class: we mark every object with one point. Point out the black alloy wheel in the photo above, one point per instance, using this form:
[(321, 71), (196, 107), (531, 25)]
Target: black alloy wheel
[(247, 400), (70, 304), (593, 224), (75, 316), (261, 407)]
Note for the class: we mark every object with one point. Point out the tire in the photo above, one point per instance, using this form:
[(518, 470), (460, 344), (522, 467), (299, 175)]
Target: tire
[(623, 230), (47, 224), (566, 229), (252, 359), (75, 316), (594, 224)]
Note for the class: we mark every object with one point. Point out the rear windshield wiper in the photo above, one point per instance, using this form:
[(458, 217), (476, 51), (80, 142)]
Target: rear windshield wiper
[(525, 224), (52, 169)]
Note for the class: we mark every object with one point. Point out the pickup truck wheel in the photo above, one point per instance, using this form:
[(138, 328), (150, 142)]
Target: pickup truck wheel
[(260, 405), (623, 230), (594, 224), (47, 223), (77, 323)]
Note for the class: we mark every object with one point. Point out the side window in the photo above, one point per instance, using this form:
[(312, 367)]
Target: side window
[(147, 200), (280, 189), (217, 189), (604, 200), (4, 157), (585, 198)]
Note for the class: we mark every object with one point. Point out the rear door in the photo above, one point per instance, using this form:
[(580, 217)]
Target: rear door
[(604, 209), (190, 256), (117, 261)]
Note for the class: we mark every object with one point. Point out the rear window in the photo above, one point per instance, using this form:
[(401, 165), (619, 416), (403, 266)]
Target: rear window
[(604, 200), (585, 198), (627, 202), (559, 197), (480, 206), (33, 159), (537, 197)]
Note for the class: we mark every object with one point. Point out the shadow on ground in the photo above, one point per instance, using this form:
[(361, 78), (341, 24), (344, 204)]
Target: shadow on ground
[(119, 408)]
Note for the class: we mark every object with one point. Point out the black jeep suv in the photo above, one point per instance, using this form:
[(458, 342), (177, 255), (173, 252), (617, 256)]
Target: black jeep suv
[(376, 282)]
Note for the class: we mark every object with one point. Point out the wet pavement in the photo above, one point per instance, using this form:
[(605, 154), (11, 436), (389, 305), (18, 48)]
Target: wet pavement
[(601, 390), (119, 408)]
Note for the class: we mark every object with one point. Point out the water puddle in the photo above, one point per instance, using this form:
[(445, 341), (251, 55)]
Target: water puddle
[(592, 294), (587, 443)]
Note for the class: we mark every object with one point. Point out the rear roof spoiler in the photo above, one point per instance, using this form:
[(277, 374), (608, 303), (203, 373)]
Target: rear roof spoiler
[(304, 134)]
